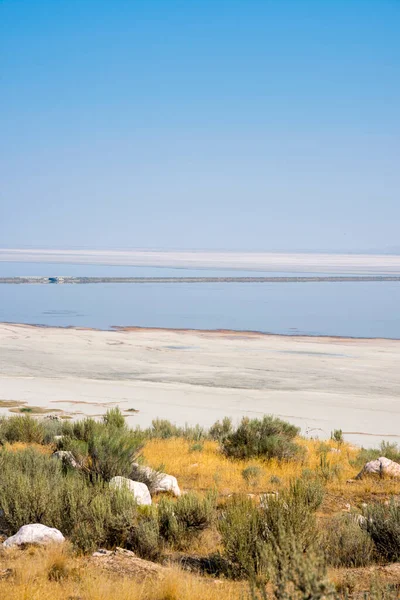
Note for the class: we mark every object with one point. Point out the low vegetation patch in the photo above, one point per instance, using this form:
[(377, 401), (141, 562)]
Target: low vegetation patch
[(260, 504), (263, 438)]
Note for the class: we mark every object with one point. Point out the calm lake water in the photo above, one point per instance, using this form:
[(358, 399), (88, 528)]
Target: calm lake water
[(339, 309)]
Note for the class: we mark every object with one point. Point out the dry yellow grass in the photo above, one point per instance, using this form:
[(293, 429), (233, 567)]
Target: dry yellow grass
[(18, 446), (31, 577), (210, 469)]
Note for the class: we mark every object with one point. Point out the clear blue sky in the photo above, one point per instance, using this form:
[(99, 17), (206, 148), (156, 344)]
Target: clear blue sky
[(220, 124)]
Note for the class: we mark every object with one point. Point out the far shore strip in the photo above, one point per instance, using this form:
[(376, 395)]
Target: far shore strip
[(187, 376)]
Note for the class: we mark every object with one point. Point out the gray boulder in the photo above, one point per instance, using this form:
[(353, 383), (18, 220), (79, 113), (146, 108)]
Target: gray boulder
[(140, 491), (35, 533), (383, 467)]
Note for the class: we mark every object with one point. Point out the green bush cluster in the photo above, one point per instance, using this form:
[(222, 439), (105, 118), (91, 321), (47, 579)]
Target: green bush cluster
[(104, 449), (250, 532), (34, 489), (265, 438), (22, 428), (164, 429)]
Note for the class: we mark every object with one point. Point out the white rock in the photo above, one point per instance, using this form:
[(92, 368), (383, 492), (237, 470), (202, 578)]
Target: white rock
[(35, 533), (139, 490), (168, 483), (382, 466), (163, 482)]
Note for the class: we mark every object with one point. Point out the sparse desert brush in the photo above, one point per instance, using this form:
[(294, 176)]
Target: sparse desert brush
[(345, 543)]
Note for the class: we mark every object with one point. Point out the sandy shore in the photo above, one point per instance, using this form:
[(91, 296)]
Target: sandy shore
[(198, 377)]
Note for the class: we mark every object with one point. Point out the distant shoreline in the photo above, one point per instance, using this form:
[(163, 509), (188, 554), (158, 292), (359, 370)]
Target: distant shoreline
[(217, 333), (51, 280)]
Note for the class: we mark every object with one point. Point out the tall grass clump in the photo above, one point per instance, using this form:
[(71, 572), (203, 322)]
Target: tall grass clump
[(264, 438)]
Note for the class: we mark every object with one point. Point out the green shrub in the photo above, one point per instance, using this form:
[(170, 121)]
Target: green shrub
[(250, 532), (104, 449), (266, 438), (345, 544), (33, 489), (144, 537), (382, 523), (390, 450), (112, 452), (22, 428), (243, 537), (114, 418), (164, 429), (295, 574), (182, 519), (337, 436), (219, 431)]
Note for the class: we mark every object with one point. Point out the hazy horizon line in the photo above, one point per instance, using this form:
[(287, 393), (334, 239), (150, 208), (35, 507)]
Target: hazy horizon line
[(255, 260)]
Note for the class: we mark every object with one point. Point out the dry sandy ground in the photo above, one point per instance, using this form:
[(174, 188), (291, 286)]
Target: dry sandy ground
[(265, 261), (198, 377)]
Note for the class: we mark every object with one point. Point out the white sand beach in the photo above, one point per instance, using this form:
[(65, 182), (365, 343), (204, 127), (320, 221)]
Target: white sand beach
[(198, 377)]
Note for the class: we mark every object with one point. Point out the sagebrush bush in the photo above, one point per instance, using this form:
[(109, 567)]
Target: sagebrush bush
[(264, 438), (345, 544), (182, 519), (164, 429), (144, 537), (106, 449), (22, 428), (295, 574), (249, 532), (243, 538), (220, 430), (382, 523), (33, 489)]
